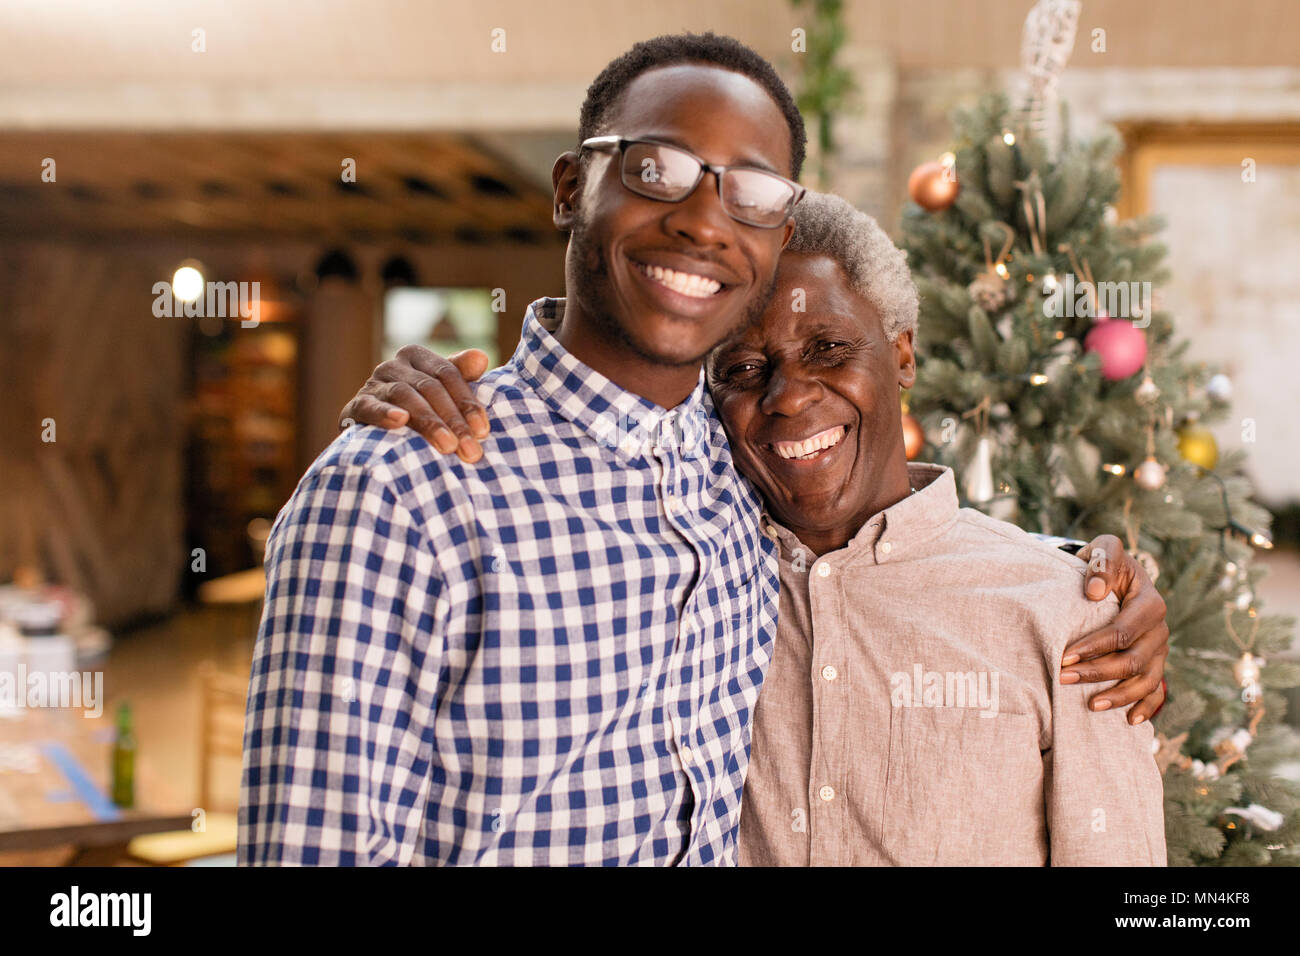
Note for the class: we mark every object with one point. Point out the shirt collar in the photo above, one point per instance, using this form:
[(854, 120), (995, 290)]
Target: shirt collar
[(610, 414), (890, 534)]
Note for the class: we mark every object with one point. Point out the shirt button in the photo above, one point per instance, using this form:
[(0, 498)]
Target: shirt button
[(674, 506), (886, 547), (827, 793), (685, 754), (823, 570), (829, 672), (770, 531)]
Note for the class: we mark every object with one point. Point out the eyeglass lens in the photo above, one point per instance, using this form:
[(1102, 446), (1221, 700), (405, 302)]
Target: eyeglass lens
[(668, 174)]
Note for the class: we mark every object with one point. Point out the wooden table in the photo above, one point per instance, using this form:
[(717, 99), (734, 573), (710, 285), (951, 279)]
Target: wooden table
[(54, 785)]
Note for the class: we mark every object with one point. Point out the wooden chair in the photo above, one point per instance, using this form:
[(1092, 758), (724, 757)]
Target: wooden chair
[(221, 736)]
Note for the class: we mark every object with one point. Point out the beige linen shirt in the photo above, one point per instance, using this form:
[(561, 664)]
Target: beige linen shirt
[(911, 714)]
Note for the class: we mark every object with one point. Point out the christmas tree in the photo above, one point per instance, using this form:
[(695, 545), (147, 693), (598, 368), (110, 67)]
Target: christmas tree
[(1062, 396)]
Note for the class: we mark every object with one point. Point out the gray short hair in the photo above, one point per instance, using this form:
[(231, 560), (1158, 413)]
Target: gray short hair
[(826, 224)]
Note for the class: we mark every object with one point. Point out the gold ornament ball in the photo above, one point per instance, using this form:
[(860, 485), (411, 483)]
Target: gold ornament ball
[(1196, 444), (933, 186), (913, 437)]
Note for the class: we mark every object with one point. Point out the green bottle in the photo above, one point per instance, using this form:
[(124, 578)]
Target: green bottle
[(124, 759)]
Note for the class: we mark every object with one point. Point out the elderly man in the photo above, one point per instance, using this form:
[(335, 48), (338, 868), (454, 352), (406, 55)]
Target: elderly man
[(914, 711)]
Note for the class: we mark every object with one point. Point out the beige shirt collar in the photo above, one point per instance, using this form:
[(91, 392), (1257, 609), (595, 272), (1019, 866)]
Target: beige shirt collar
[(890, 534)]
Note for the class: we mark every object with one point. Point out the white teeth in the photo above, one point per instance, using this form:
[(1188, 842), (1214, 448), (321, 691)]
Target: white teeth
[(810, 446), (687, 283)]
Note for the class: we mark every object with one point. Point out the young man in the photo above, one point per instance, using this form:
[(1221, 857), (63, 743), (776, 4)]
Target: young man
[(552, 656)]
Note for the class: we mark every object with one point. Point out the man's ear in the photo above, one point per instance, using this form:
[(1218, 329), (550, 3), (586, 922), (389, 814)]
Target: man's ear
[(564, 178), (789, 232), (906, 359)]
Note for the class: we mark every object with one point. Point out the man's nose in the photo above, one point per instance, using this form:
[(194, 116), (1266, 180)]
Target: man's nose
[(700, 217), (789, 392)]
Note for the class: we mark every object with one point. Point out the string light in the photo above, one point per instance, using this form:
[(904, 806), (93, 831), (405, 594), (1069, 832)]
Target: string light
[(1008, 137), (1038, 379), (1114, 469)]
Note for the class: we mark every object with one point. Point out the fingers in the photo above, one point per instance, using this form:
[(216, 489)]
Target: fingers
[(1125, 693), (1141, 615), (417, 357), (432, 413), (1108, 566), (472, 363), (465, 367), (442, 384), (1146, 708), (366, 409), (1139, 668)]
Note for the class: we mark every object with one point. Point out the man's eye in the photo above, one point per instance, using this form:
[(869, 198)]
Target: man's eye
[(827, 346), (741, 370)]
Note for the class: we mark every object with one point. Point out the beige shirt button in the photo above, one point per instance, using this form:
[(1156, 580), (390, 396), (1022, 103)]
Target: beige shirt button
[(770, 531), (827, 793), (686, 755), (674, 505), (886, 547), (829, 672), (823, 570)]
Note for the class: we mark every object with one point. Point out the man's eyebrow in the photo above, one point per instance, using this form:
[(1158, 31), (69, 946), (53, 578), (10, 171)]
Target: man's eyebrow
[(825, 328), (725, 352), (672, 140)]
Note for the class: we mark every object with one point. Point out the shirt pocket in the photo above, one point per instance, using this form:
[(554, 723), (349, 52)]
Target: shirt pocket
[(963, 790)]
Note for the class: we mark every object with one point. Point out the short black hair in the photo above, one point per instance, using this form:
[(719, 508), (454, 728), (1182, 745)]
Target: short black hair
[(708, 48)]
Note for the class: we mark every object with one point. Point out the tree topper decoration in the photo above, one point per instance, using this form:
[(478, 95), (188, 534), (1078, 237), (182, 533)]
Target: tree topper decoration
[(1045, 47)]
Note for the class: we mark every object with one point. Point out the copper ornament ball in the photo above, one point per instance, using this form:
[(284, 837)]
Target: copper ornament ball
[(933, 186), (913, 437)]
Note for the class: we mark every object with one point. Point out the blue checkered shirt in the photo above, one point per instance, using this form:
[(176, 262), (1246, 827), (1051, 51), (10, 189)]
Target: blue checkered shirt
[(550, 656)]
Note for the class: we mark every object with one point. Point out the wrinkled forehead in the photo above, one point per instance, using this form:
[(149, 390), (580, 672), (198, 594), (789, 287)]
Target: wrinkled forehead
[(813, 299)]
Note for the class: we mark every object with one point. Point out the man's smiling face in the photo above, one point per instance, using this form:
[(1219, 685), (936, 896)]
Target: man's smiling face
[(633, 261), (810, 402)]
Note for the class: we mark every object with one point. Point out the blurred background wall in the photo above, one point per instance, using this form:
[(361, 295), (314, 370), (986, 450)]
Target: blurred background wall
[(217, 133)]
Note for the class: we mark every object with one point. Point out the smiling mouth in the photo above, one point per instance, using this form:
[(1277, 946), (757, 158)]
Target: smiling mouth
[(811, 447), (683, 283)]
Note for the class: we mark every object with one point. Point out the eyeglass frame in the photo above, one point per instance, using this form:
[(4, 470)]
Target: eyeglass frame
[(621, 143)]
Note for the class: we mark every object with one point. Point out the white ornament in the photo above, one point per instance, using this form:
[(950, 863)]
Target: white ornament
[(1150, 474), (1261, 816), (979, 473), (1219, 388)]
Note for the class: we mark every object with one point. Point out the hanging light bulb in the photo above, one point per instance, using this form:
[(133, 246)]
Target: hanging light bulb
[(188, 282)]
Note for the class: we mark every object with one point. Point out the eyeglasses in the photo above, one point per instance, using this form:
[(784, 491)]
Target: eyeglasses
[(753, 196)]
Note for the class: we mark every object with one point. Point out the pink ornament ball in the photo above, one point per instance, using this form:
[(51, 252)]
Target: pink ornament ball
[(1123, 348)]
